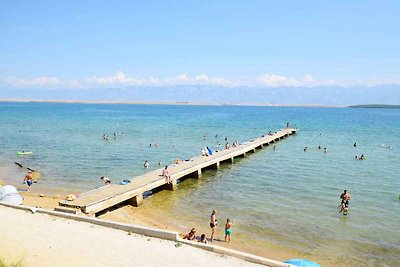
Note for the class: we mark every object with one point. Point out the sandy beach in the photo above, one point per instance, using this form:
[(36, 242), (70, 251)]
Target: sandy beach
[(43, 240), (146, 216)]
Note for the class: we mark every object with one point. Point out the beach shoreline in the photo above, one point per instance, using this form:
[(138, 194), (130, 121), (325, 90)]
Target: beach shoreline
[(34, 238), (145, 216)]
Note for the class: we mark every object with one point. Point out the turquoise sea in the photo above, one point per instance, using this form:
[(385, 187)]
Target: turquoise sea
[(284, 197)]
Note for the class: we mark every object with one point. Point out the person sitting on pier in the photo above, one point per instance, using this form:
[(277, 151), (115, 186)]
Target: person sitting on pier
[(227, 146), (191, 235), (209, 151), (203, 152), (178, 161), (236, 143), (106, 180)]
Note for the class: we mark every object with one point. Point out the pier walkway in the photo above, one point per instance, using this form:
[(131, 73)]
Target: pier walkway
[(107, 196)]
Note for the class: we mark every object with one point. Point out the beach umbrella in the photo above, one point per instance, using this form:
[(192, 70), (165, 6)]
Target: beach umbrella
[(302, 263)]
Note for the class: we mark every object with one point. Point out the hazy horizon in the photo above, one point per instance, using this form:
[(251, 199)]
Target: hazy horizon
[(331, 53)]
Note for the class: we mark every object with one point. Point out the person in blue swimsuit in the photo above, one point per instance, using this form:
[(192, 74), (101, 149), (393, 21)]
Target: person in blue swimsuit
[(228, 230)]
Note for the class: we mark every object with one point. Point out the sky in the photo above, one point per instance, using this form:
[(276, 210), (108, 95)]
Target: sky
[(255, 44)]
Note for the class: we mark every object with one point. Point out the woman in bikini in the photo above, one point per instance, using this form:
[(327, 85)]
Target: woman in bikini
[(213, 224)]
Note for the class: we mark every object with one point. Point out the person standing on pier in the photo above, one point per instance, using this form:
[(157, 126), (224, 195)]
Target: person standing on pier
[(166, 175), (213, 224)]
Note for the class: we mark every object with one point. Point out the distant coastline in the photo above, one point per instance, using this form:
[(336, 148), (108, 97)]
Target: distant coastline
[(178, 103), (375, 106)]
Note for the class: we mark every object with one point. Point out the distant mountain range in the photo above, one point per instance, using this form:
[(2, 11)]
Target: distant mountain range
[(323, 95)]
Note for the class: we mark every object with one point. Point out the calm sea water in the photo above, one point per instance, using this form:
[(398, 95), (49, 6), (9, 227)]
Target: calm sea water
[(285, 197)]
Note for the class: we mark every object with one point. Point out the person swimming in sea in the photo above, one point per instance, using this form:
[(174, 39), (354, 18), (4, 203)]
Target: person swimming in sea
[(146, 164), (106, 180), (360, 157)]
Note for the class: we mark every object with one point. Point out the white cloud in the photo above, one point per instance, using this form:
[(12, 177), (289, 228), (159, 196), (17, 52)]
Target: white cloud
[(40, 81), (272, 80), (308, 78), (118, 78), (202, 78)]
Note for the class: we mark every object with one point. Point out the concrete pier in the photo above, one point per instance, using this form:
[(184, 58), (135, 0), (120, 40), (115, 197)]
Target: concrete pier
[(108, 196)]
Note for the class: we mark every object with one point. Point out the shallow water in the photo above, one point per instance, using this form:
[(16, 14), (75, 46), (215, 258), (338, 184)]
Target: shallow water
[(284, 197)]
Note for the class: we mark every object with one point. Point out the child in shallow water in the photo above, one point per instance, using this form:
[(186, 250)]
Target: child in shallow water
[(228, 230)]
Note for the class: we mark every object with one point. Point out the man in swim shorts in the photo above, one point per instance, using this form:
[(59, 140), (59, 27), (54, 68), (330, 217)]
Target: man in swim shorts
[(345, 198), (29, 180), (228, 230)]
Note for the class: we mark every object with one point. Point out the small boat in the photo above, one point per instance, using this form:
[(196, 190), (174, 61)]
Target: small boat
[(24, 153)]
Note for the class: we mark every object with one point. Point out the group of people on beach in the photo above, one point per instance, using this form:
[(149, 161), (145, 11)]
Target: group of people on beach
[(213, 225)]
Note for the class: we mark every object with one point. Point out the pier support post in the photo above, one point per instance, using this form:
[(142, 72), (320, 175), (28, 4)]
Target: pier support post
[(217, 165), (136, 201), (232, 160), (172, 186), (196, 174)]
